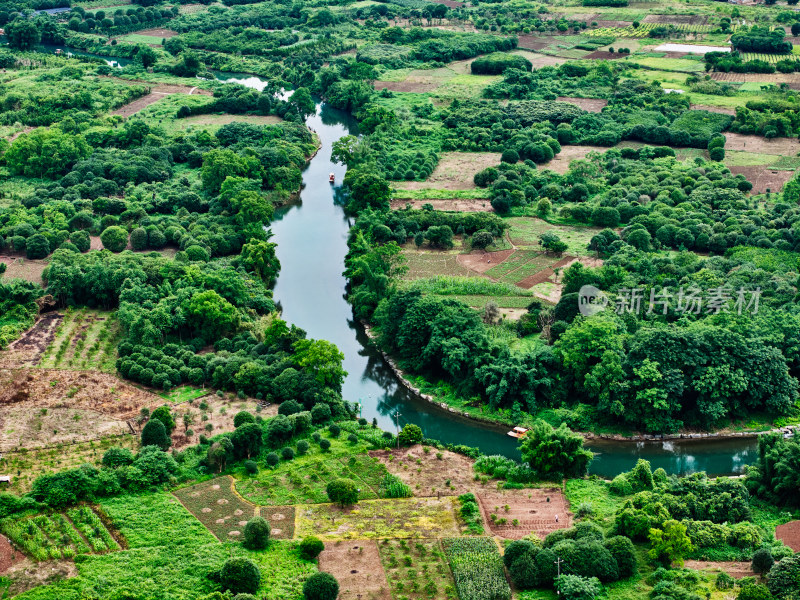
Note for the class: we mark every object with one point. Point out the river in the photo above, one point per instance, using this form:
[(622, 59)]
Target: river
[(312, 242)]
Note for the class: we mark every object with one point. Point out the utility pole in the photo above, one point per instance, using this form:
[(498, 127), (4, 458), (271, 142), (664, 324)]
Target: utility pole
[(397, 427), (558, 562)]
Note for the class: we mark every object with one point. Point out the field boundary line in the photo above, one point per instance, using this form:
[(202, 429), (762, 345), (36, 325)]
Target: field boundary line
[(236, 493)]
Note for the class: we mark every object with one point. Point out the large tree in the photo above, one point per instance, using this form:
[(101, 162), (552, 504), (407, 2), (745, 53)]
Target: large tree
[(554, 454), (22, 34)]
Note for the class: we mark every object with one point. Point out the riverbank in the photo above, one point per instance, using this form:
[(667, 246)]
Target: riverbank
[(498, 420)]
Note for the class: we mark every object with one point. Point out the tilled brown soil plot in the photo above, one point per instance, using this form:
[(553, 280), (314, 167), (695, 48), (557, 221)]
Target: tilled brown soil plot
[(789, 534), (358, 569), (28, 349), (513, 514), (763, 178), (427, 474)]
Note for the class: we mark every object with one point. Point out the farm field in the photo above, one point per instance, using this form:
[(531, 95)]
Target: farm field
[(264, 336), (303, 480), (83, 340), (417, 569), (400, 518)]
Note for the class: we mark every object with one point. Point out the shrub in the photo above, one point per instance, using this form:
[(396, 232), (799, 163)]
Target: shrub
[(724, 581), (762, 561), (302, 447), (320, 413), (410, 434), (784, 577), (342, 491), (325, 444), (289, 407), (574, 587), (240, 575), (287, 454), (310, 547), (393, 487), (114, 238), (754, 591), (251, 467), (243, 417), (516, 549), (621, 486), (37, 247), (256, 534), (334, 430), (622, 550), (352, 438), (155, 434), (117, 457), (321, 586), (272, 459)]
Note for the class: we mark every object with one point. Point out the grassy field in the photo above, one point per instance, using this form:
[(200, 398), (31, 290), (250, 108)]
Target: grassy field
[(137, 38), (303, 480), (85, 339), (525, 232), (399, 518), (26, 465)]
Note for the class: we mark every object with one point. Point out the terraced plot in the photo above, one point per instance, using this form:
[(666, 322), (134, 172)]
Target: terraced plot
[(304, 482), (85, 339), (56, 536), (217, 506)]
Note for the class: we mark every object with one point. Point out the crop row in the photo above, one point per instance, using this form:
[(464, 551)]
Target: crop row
[(45, 537), (477, 568)]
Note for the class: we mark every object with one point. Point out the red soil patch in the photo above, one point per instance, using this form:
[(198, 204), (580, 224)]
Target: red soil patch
[(535, 511), (358, 569), (139, 104), (603, 55), (480, 262), (737, 570), (715, 109), (763, 178), (758, 144), (8, 555), (546, 273), (594, 105), (162, 33), (429, 477), (406, 86), (789, 534), (532, 42), (88, 390), (454, 205)]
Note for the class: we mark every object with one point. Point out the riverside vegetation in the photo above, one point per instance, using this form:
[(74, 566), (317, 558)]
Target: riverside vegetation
[(552, 143)]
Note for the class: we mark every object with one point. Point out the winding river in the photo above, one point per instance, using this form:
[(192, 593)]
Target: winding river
[(312, 242)]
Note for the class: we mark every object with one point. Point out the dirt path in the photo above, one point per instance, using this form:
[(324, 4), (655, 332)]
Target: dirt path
[(157, 92), (139, 104), (737, 570), (19, 133)]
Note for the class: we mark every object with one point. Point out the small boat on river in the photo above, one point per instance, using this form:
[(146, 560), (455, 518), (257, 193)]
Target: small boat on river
[(332, 178), (518, 432)]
